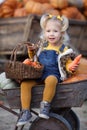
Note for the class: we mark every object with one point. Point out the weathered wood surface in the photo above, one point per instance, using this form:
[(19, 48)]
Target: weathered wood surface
[(11, 32), (67, 95)]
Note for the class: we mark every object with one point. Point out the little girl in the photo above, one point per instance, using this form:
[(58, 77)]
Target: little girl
[(57, 60)]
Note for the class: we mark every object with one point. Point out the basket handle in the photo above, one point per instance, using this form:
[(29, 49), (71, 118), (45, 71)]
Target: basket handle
[(14, 52)]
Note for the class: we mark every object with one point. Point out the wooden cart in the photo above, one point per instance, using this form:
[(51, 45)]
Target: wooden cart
[(68, 95), (62, 117)]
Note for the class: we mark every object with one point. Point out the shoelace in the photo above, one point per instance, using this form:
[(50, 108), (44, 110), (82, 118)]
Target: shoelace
[(46, 107), (24, 114)]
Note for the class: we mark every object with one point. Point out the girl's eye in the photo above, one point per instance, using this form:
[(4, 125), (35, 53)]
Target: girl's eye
[(47, 30), (55, 31)]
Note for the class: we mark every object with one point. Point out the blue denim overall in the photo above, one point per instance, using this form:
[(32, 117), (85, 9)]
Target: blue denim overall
[(49, 58)]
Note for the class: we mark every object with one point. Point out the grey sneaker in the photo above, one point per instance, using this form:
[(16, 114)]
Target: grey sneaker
[(24, 118), (44, 110)]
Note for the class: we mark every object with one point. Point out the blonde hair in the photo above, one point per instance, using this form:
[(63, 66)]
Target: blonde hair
[(61, 19)]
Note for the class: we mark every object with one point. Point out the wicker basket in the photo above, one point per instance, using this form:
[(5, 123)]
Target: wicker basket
[(19, 71)]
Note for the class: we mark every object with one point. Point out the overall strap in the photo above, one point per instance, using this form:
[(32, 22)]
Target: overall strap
[(62, 48)]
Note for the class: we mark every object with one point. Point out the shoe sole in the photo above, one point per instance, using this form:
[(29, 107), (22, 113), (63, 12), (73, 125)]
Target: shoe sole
[(43, 116), (23, 123)]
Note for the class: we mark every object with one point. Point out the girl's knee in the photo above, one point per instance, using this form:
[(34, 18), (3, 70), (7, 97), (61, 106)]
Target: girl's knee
[(52, 79), (28, 84)]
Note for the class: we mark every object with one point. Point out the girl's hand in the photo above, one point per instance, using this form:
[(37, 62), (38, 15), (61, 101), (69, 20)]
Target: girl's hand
[(74, 65), (31, 51)]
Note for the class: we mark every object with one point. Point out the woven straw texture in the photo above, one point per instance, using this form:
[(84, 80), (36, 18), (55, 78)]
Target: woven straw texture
[(17, 70)]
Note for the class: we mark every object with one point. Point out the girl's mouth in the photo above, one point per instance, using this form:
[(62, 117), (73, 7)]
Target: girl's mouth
[(51, 39)]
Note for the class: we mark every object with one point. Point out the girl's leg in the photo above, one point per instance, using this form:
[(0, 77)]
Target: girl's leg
[(50, 88), (48, 94), (26, 88)]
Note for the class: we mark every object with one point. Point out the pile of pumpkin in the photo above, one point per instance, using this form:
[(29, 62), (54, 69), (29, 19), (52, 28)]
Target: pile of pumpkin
[(20, 8)]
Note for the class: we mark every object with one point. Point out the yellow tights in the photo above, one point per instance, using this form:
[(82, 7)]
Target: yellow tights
[(48, 93)]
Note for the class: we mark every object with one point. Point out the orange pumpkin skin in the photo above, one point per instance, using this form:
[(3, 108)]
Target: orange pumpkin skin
[(19, 4), (8, 8), (20, 12), (25, 1), (52, 12), (33, 7), (28, 6), (85, 13), (37, 8), (46, 6), (59, 3), (72, 13), (85, 3), (42, 1), (1, 13)]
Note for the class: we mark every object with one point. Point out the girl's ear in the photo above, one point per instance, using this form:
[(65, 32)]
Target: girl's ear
[(62, 33)]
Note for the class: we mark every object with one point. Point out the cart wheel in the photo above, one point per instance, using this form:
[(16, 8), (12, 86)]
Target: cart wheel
[(55, 122), (70, 116), (73, 119)]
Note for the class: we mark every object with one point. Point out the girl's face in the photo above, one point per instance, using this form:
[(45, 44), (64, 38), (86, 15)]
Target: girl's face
[(52, 31)]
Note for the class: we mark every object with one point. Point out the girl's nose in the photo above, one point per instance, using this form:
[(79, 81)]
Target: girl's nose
[(51, 33)]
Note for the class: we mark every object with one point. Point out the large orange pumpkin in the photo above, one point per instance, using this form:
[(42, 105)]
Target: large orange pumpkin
[(33, 7)]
